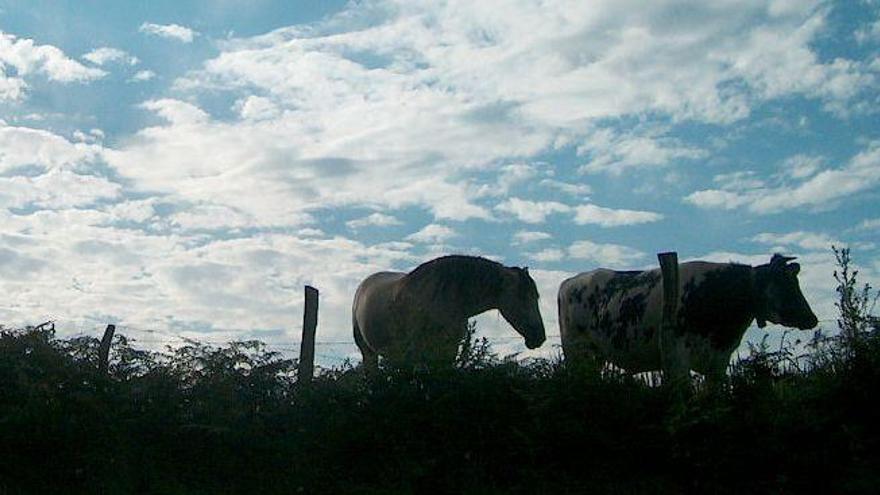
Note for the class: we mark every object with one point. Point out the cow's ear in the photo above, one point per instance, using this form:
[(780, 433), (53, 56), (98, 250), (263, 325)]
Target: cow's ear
[(793, 268)]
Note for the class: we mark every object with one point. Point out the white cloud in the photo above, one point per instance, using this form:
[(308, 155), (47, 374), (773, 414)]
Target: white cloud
[(55, 189), (131, 211), (105, 54), (738, 181), (821, 190), (170, 31), (565, 54), (606, 255), (511, 175), (139, 280), (176, 112), (412, 101), (547, 255), (28, 58), (256, 108), (527, 236), (531, 211), (143, 75), (507, 177), (576, 190), (812, 241), (39, 169), (23, 146), (808, 241), (869, 33), (615, 152), (211, 217), (373, 219), (869, 224), (714, 198), (802, 166), (609, 217), (432, 234), (11, 88)]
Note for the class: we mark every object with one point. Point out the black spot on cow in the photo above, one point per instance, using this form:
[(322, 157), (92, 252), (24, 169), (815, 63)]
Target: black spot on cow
[(720, 306), (620, 304), (619, 340), (632, 309)]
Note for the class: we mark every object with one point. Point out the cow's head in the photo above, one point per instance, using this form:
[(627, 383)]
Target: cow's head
[(779, 295)]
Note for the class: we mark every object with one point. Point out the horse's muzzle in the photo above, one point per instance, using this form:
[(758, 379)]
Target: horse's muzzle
[(809, 323), (535, 343)]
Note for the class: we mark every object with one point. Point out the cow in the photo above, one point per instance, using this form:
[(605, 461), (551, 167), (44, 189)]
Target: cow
[(615, 316)]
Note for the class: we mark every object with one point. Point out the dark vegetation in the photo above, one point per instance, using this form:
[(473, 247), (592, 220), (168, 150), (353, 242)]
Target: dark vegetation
[(203, 419)]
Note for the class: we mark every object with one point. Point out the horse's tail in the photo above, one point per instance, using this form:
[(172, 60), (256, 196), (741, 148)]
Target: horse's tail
[(370, 359)]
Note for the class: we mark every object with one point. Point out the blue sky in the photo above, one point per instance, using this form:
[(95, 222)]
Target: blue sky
[(188, 167)]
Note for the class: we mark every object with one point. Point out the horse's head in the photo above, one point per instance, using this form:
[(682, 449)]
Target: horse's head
[(519, 306)]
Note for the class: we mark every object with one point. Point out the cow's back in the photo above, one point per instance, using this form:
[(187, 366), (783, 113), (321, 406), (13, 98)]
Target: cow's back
[(614, 315), (617, 315)]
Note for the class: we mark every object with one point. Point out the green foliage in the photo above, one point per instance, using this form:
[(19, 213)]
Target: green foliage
[(231, 419), (855, 304)]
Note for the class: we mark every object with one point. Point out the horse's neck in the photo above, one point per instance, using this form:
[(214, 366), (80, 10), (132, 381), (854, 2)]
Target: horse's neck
[(462, 298)]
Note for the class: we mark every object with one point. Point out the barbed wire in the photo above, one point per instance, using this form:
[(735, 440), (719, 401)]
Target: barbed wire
[(124, 329), (168, 337)]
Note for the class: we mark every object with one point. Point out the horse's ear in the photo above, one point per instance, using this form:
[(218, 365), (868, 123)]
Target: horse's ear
[(526, 270)]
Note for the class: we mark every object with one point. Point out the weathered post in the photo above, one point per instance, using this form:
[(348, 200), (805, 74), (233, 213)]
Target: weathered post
[(104, 349), (306, 368), (669, 271)]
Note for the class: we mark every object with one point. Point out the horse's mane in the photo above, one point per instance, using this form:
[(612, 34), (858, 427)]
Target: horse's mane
[(454, 273)]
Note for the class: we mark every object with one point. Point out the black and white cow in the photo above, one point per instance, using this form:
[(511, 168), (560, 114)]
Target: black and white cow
[(615, 315)]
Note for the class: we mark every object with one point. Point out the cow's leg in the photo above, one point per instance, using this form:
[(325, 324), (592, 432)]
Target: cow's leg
[(583, 355), (716, 372)]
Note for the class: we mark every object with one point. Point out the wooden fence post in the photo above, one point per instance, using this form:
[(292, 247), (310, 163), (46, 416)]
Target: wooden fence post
[(669, 271), (306, 368), (104, 349)]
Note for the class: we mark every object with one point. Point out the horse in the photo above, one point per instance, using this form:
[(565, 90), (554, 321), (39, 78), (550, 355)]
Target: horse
[(422, 316)]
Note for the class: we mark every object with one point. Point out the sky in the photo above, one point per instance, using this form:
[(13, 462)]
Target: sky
[(184, 168)]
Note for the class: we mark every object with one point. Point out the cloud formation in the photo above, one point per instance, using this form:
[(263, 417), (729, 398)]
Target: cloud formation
[(817, 190), (608, 217), (105, 54), (169, 31), (27, 58), (374, 219), (433, 234), (606, 255)]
